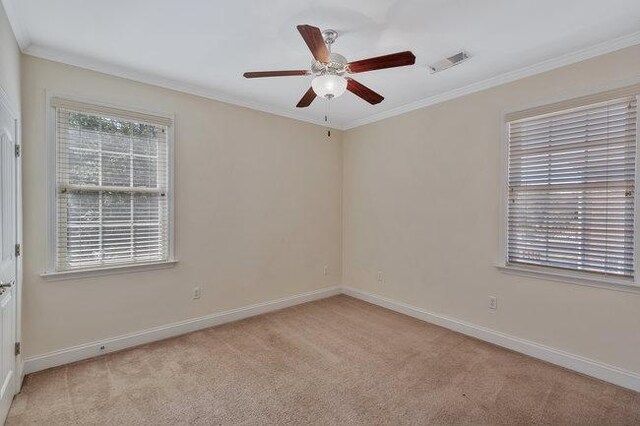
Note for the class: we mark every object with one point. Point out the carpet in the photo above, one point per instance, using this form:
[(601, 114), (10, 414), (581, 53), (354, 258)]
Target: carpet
[(337, 361)]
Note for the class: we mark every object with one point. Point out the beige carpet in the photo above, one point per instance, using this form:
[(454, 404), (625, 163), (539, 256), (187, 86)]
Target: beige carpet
[(335, 361)]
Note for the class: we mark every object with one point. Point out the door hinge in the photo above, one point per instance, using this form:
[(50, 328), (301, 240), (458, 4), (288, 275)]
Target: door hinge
[(17, 150), (18, 250), (17, 348)]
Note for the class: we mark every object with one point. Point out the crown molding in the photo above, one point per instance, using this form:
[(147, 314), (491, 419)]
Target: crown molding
[(28, 48), (20, 31), (540, 67), (80, 61)]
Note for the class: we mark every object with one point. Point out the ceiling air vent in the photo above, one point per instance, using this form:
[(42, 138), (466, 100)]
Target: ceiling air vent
[(443, 64)]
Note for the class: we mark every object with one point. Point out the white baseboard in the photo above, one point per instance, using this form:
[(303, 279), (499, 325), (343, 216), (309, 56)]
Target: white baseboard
[(573, 362), (19, 374), (89, 350), (608, 373)]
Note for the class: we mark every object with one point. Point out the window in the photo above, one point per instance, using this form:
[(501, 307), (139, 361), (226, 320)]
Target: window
[(112, 187), (571, 188)]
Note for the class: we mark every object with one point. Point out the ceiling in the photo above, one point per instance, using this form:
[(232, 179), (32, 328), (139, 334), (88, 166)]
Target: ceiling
[(204, 46)]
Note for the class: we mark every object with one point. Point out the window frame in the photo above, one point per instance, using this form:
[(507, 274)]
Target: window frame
[(548, 272), (51, 271)]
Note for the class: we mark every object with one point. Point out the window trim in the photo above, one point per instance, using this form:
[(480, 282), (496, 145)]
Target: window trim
[(547, 272), (111, 270), (52, 224)]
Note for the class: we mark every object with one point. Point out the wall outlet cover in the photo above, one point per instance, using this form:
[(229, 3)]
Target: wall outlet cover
[(493, 302)]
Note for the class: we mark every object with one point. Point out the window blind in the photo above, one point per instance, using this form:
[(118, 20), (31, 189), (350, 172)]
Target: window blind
[(571, 184), (112, 186)]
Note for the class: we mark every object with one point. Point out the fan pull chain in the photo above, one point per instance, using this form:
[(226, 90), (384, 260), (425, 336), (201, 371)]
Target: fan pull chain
[(326, 116)]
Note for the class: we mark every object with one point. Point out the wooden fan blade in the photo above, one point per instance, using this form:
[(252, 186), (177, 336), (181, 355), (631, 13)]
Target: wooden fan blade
[(313, 37), (258, 74), (307, 98), (381, 62), (363, 92)]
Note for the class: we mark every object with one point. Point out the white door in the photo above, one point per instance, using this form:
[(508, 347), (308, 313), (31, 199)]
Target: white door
[(8, 240)]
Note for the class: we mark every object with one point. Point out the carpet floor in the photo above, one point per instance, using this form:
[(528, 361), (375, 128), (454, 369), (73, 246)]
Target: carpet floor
[(335, 361)]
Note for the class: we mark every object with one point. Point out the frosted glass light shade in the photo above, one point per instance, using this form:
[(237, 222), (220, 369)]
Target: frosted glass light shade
[(329, 85)]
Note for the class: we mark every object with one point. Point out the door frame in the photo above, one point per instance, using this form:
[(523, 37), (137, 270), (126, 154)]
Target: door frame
[(6, 102)]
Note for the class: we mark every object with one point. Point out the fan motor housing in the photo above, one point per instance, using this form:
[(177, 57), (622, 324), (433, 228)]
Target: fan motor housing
[(337, 65)]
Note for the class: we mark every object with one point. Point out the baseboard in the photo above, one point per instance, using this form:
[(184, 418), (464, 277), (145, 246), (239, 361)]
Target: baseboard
[(573, 362), (608, 373), (19, 373), (90, 350)]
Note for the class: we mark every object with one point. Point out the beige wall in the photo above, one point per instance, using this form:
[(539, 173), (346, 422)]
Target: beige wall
[(421, 203), (9, 62), (258, 214)]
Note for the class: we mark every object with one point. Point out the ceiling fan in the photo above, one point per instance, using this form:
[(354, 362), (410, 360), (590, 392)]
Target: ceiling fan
[(332, 70)]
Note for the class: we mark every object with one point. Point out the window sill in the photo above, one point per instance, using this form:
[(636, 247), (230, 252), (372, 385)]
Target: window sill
[(110, 270), (610, 283)]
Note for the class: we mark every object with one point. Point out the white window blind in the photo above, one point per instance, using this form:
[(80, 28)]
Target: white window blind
[(571, 183), (112, 186)]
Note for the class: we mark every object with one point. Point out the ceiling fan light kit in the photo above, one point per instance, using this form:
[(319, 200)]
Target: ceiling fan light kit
[(329, 86), (332, 70)]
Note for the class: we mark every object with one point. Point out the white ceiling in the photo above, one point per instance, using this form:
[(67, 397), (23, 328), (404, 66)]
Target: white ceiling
[(204, 46)]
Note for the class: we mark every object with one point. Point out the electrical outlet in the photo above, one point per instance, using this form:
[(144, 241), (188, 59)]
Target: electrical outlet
[(493, 302), (196, 293), (380, 277), (325, 271)]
